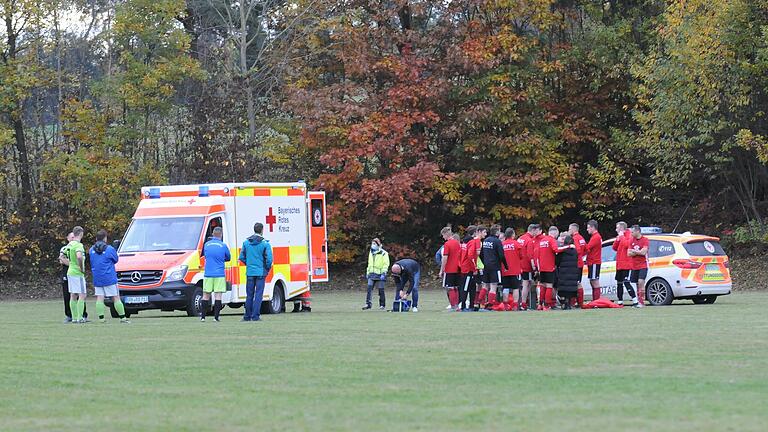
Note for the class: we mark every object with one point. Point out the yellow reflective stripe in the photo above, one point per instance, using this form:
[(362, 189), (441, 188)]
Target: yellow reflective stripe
[(298, 255)]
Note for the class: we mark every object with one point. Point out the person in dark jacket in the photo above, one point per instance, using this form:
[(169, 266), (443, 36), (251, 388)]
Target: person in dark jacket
[(492, 255), (568, 271), (256, 255), (404, 271), (103, 259)]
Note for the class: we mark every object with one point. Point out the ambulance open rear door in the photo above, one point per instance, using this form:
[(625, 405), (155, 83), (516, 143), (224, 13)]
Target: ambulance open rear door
[(318, 237)]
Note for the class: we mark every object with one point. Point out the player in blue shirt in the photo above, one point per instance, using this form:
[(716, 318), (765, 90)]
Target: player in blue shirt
[(216, 255)]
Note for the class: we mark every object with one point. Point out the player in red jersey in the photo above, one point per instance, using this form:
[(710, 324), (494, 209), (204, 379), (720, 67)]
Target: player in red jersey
[(581, 250), (510, 276), (594, 251), (468, 267), (449, 267), (533, 254), (526, 269), (638, 254), (623, 263), (547, 251)]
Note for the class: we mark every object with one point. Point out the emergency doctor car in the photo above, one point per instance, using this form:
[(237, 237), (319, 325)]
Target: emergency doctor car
[(160, 264)]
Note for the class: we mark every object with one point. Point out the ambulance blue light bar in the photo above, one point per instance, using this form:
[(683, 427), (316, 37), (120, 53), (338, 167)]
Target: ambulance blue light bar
[(203, 191), (154, 192), (650, 230)]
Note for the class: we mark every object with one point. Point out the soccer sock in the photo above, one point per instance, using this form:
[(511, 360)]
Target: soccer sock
[(120, 309), (100, 309), (549, 298), (542, 293), (595, 294), (481, 296), (630, 290), (580, 296), (454, 297), (216, 308), (492, 297), (73, 308), (80, 307), (620, 291), (203, 308)]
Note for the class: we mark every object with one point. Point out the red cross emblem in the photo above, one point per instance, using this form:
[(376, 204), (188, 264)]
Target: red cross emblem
[(191, 201), (271, 220)]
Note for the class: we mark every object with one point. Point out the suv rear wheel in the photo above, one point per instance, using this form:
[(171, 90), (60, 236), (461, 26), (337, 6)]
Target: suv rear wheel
[(658, 292)]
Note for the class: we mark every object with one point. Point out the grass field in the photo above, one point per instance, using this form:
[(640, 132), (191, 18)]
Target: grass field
[(681, 367)]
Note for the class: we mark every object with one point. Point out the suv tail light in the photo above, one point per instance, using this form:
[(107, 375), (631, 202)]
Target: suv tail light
[(686, 264), (727, 264)]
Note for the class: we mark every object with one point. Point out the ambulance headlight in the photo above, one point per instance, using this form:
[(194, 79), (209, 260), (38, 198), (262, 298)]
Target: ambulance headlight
[(176, 273)]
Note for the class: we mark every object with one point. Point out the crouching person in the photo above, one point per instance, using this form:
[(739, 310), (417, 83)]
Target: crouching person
[(376, 273), (256, 255), (407, 271)]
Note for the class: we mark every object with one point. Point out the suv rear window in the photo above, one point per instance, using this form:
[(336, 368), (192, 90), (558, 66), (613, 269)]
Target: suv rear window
[(704, 248), (660, 248)]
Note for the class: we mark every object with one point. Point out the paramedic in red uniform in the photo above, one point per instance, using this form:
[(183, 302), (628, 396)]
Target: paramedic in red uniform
[(623, 263), (449, 267), (638, 255), (594, 251)]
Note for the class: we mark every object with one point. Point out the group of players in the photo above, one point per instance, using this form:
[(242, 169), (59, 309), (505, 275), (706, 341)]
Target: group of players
[(485, 260)]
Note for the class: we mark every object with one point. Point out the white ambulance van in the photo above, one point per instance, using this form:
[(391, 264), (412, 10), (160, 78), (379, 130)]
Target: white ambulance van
[(160, 265)]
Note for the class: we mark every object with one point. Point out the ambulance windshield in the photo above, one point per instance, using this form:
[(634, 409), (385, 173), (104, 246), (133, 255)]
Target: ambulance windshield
[(162, 234)]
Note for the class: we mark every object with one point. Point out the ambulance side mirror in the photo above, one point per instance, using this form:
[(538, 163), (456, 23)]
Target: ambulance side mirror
[(116, 244)]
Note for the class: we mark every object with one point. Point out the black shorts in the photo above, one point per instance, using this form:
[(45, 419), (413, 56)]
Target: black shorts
[(547, 277), (491, 276), (622, 275), (636, 275), (593, 272), (526, 276), (452, 280), (510, 282)]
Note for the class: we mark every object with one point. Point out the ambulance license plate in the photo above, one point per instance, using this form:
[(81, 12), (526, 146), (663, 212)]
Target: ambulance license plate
[(136, 299)]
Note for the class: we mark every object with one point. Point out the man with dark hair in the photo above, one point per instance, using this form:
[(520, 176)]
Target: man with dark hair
[(623, 263), (103, 259), (492, 255), (638, 254), (581, 246), (64, 261), (256, 255), (449, 267), (407, 271), (76, 275), (216, 255), (594, 251)]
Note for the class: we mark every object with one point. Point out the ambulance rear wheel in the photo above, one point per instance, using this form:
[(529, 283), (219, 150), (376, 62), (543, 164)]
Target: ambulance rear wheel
[(277, 303)]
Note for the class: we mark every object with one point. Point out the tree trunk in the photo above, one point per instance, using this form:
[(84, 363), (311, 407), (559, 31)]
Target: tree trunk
[(23, 167), (251, 106)]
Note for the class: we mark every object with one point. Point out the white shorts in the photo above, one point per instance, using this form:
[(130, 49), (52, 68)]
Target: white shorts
[(76, 284), (107, 291)]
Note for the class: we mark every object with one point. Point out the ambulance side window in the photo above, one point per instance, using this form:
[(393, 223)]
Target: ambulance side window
[(213, 223), (660, 248)]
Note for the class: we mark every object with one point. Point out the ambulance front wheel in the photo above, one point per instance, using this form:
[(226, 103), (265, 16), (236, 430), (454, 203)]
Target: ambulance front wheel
[(277, 303), (194, 303)]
